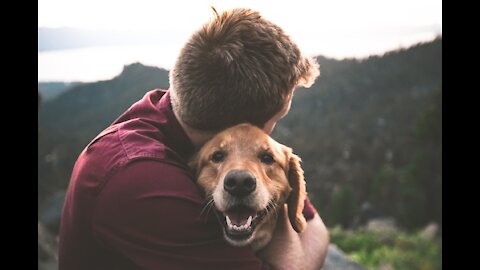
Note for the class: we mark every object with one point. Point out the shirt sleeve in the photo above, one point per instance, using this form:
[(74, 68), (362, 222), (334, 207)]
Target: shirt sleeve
[(309, 210), (151, 213)]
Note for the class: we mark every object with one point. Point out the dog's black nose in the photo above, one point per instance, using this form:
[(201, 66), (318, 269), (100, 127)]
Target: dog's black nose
[(239, 183)]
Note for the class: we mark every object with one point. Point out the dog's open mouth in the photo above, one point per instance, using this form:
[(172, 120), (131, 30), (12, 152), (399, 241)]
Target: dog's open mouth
[(239, 222)]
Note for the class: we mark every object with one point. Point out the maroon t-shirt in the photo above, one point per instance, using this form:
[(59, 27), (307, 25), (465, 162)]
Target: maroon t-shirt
[(132, 202)]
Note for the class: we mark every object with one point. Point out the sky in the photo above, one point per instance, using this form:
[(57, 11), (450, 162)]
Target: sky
[(333, 28)]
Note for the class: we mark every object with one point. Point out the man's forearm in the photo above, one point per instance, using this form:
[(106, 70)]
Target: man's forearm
[(290, 250), (315, 240)]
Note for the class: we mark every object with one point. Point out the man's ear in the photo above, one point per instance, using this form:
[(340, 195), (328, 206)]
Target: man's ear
[(297, 195)]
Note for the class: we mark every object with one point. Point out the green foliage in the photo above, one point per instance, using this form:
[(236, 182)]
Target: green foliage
[(400, 250), (342, 205), (382, 188), (420, 186)]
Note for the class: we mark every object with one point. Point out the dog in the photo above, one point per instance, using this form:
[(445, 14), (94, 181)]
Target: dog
[(247, 177)]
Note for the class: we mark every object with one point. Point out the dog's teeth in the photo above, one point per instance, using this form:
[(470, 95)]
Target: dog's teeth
[(229, 222), (236, 227)]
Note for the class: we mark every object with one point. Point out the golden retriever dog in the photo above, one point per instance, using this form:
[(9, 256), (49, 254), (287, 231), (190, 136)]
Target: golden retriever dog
[(247, 177)]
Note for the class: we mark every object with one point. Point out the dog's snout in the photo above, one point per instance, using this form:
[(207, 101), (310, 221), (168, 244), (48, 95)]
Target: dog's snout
[(239, 183)]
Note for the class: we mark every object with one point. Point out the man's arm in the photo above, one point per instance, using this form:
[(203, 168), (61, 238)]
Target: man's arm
[(315, 242), (291, 250)]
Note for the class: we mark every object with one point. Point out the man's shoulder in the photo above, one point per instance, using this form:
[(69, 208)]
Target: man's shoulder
[(124, 143), (153, 178), (132, 138)]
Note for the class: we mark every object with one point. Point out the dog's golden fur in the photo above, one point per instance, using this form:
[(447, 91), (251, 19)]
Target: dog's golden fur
[(278, 174)]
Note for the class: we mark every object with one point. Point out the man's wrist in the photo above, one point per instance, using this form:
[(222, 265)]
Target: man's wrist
[(285, 250)]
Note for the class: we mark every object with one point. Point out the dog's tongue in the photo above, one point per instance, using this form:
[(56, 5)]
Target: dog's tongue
[(239, 216)]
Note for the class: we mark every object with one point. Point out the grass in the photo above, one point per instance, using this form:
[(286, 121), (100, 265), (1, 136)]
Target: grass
[(390, 249)]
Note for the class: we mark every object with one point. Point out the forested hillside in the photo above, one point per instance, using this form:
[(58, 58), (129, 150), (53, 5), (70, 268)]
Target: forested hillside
[(371, 131)]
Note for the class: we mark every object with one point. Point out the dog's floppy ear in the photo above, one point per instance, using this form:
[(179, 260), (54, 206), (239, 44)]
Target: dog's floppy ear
[(198, 161), (195, 163), (297, 195)]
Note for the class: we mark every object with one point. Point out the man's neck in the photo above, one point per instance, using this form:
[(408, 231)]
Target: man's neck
[(197, 137)]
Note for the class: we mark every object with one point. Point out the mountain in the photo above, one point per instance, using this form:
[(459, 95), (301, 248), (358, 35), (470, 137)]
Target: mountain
[(369, 130), (50, 90)]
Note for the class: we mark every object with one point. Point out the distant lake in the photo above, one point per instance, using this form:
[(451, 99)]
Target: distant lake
[(103, 63), (99, 63)]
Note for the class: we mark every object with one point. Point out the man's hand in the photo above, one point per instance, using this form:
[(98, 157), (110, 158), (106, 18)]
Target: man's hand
[(291, 250)]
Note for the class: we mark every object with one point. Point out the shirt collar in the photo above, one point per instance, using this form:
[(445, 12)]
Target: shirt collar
[(175, 135)]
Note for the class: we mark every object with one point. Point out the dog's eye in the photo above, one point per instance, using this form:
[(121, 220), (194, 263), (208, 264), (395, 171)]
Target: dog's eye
[(218, 156), (266, 158)]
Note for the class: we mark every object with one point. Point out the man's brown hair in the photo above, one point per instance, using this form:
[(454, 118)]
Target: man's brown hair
[(237, 68)]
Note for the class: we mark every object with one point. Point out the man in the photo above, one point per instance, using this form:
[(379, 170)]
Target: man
[(132, 202)]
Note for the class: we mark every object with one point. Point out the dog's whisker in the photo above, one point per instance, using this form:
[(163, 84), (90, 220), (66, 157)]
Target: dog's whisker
[(207, 207), (211, 207), (272, 207)]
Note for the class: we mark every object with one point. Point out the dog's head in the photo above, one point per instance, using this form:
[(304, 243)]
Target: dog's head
[(248, 177)]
